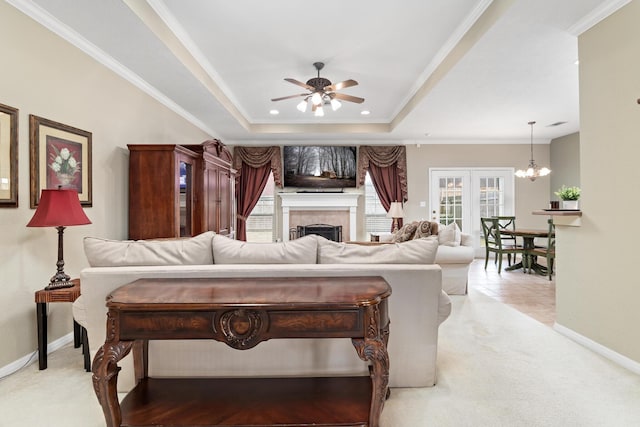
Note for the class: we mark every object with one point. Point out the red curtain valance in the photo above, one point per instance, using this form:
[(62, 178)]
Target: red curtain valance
[(383, 157), (257, 157)]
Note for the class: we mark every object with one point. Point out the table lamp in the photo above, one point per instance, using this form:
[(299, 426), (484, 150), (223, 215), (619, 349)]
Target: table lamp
[(395, 212), (59, 208)]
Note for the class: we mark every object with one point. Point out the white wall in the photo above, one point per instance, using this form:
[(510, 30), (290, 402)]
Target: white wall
[(598, 289), (45, 76)]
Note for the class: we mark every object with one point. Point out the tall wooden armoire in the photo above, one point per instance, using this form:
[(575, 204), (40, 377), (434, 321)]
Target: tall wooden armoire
[(180, 190)]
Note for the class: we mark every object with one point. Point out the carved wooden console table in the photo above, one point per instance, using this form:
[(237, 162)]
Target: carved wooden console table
[(242, 313)]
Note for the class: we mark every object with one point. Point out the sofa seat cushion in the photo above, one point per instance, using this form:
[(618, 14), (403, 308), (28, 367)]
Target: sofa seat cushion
[(454, 255), (116, 253), (300, 251), (418, 251)]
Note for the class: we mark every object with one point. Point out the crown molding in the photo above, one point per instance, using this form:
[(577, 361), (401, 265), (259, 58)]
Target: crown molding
[(596, 15), (48, 21)]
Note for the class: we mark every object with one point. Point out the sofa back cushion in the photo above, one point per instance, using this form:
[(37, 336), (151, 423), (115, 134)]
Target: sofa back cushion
[(300, 251), (418, 251), (114, 253)]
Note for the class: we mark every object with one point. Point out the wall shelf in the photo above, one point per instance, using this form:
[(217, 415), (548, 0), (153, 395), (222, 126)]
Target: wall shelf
[(571, 218)]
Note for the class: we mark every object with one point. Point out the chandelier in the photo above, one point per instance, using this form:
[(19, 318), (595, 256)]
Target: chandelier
[(533, 171)]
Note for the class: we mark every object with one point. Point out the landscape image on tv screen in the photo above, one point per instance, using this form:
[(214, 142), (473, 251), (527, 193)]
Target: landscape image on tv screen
[(319, 167)]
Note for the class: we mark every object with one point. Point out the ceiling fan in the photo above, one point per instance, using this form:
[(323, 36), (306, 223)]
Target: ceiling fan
[(321, 92)]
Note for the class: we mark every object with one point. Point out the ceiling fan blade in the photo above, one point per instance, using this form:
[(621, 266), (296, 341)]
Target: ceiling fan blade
[(349, 98), (299, 83), (341, 85), (289, 97)]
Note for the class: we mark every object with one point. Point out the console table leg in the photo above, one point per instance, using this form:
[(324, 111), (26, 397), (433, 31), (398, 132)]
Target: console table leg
[(374, 351), (373, 348), (105, 379), (140, 359)]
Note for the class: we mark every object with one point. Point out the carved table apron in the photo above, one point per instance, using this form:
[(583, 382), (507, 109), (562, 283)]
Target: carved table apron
[(242, 313)]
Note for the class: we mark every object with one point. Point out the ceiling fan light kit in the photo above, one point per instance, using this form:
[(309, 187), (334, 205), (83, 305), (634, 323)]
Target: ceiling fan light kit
[(321, 92)]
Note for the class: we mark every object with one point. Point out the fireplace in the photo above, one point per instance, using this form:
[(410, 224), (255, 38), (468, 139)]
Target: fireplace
[(324, 209), (331, 232)]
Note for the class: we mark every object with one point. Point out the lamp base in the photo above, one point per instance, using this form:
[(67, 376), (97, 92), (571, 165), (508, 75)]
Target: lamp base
[(59, 285)]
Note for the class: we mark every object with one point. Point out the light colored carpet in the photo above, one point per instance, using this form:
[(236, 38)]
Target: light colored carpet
[(497, 367)]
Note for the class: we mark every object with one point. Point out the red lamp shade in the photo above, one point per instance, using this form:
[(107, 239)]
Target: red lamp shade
[(58, 208)]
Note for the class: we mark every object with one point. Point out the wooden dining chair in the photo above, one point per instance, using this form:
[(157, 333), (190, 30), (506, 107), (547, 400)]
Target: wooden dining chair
[(494, 243), (549, 252), (507, 223)]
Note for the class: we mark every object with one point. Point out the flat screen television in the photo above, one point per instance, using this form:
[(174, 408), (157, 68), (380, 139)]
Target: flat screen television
[(319, 166)]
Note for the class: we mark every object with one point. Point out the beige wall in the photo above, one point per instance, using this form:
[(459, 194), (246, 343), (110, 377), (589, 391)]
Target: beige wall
[(565, 162), (529, 196), (598, 290), (45, 76)]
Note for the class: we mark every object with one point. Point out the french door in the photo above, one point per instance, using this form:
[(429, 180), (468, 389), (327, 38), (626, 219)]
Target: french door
[(464, 195)]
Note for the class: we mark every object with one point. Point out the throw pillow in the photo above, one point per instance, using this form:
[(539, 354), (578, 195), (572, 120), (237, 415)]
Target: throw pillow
[(450, 235), (115, 253), (299, 251), (425, 229), (420, 251), (405, 233)]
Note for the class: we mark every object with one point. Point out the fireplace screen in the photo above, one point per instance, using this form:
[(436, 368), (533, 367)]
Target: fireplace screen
[(331, 232)]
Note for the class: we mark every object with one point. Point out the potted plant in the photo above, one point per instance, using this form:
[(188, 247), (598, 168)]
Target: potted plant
[(569, 196)]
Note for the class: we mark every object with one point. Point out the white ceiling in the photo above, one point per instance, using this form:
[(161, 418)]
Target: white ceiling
[(431, 71)]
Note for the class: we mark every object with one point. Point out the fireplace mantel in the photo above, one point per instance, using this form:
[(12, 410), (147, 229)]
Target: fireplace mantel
[(319, 201)]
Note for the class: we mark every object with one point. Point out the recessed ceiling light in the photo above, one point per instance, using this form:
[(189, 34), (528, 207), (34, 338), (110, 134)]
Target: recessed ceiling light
[(365, 112), (274, 112), (427, 134)]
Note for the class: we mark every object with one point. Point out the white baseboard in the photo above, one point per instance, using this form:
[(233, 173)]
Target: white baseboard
[(33, 357), (606, 352)]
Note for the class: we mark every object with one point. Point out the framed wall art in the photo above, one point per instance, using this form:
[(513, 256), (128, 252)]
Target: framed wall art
[(8, 157), (60, 157)]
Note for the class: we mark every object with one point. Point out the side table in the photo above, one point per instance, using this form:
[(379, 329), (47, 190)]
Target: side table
[(43, 297)]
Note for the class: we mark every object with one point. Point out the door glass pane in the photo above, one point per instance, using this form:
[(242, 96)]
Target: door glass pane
[(451, 200), (491, 196)]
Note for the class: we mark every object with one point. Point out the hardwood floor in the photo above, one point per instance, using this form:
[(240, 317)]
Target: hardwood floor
[(532, 294)]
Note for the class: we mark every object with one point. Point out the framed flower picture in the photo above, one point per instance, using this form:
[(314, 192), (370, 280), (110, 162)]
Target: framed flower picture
[(60, 158), (8, 157)]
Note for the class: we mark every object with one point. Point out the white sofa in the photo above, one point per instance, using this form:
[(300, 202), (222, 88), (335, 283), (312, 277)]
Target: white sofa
[(455, 253), (417, 305)]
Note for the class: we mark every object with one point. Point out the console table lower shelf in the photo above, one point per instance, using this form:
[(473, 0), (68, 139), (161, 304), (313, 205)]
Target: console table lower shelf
[(242, 313), (335, 401)]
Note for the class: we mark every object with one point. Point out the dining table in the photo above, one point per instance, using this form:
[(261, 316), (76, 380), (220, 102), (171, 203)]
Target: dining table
[(528, 238)]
